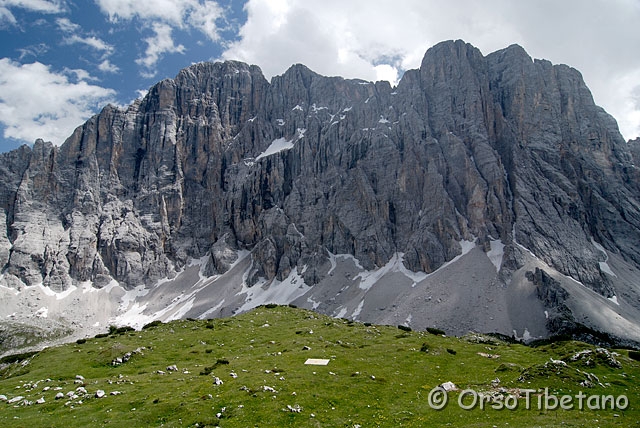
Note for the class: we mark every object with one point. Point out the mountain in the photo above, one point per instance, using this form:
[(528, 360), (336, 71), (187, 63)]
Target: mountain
[(482, 193)]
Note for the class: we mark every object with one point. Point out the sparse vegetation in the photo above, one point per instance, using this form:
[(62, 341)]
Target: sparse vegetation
[(152, 324), (249, 370), (16, 358), (435, 331)]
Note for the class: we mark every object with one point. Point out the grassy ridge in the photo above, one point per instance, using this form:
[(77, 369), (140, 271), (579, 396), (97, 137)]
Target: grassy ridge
[(377, 376)]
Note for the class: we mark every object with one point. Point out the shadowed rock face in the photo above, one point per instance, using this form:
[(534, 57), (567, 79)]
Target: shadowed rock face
[(219, 159)]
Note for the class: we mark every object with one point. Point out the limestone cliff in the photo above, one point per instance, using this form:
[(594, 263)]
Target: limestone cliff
[(466, 148)]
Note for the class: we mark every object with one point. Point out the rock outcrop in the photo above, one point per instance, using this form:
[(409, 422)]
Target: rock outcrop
[(467, 147)]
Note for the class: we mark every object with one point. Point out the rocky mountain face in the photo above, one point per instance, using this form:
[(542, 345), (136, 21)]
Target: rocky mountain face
[(467, 148)]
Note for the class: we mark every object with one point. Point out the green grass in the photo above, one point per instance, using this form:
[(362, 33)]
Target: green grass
[(377, 376)]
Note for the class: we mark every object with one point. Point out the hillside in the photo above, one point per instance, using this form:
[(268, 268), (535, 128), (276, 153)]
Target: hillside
[(249, 370)]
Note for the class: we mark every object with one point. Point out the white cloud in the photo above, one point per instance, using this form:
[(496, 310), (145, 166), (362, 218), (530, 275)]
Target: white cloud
[(352, 39), (162, 16), (168, 11), (374, 40), (6, 17), (91, 41), (198, 14), (42, 6), (67, 26), (157, 46), (204, 17), (107, 67), (36, 102), (33, 50)]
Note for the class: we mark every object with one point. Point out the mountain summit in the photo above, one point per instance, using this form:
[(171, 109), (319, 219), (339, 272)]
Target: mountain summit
[(482, 193)]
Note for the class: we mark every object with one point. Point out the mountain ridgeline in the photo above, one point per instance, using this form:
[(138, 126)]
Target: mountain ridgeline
[(467, 148)]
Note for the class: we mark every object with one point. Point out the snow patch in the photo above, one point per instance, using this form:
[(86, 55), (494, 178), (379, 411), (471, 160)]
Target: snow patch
[(395, 264), (133, 317), (180, 313), (130, 297), (43, 312), (59, 296), (315, 108), (110, 286), (298, 107), (332, 260), (496, 254), (526, 335), (614, 299), (211, 311), (314, 304), (604, 266), (8, 289), (201, 262), (276, 146), (279, 292), (357, 311), (407, 322), (341, 313), (465, 248), (383, 120), (280, 122)]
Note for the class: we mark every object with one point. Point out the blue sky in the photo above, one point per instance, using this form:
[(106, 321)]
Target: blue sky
[(61, 61)]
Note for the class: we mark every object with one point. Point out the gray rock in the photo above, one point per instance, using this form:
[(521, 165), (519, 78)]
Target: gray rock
[(467, 147)]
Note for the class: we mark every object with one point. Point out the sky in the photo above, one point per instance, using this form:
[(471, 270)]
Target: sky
[(62, 61)]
